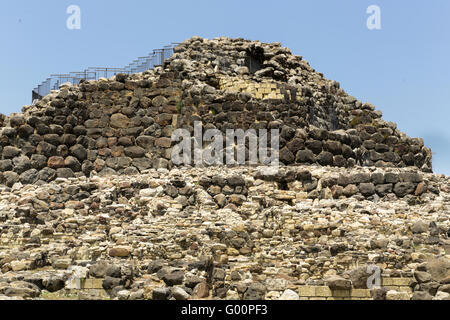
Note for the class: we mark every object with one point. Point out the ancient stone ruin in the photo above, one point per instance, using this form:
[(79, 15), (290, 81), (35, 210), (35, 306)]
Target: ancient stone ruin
[(92, 205)]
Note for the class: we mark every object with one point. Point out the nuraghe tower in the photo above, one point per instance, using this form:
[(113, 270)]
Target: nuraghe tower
[(91, 205)]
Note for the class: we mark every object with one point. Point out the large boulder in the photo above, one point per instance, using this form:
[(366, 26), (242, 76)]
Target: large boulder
[(439, 268)]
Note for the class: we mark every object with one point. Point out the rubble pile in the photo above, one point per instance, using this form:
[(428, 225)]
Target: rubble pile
[(92, 206)]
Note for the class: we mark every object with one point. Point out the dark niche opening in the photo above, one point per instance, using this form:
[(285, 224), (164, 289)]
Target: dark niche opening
[(255, 59)]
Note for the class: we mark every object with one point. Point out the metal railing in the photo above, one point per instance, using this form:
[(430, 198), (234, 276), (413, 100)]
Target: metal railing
[(141, 64)]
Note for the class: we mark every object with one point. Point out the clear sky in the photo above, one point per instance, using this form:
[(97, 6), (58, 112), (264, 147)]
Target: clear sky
[(403, 69)]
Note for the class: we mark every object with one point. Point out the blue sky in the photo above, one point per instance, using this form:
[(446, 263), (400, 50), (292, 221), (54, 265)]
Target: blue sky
[(403, 69)]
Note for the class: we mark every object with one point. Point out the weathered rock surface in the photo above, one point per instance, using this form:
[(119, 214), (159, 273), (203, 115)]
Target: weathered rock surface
[(128, 237), (124, 124), (92, 207)]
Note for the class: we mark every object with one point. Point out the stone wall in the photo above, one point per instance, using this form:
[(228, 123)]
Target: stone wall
[(115, 127), (391, 289), (262, 91), (124, 124), (220, 232), (91, 205)]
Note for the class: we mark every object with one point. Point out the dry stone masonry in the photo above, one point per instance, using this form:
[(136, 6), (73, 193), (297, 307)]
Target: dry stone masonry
[(92, 207)]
